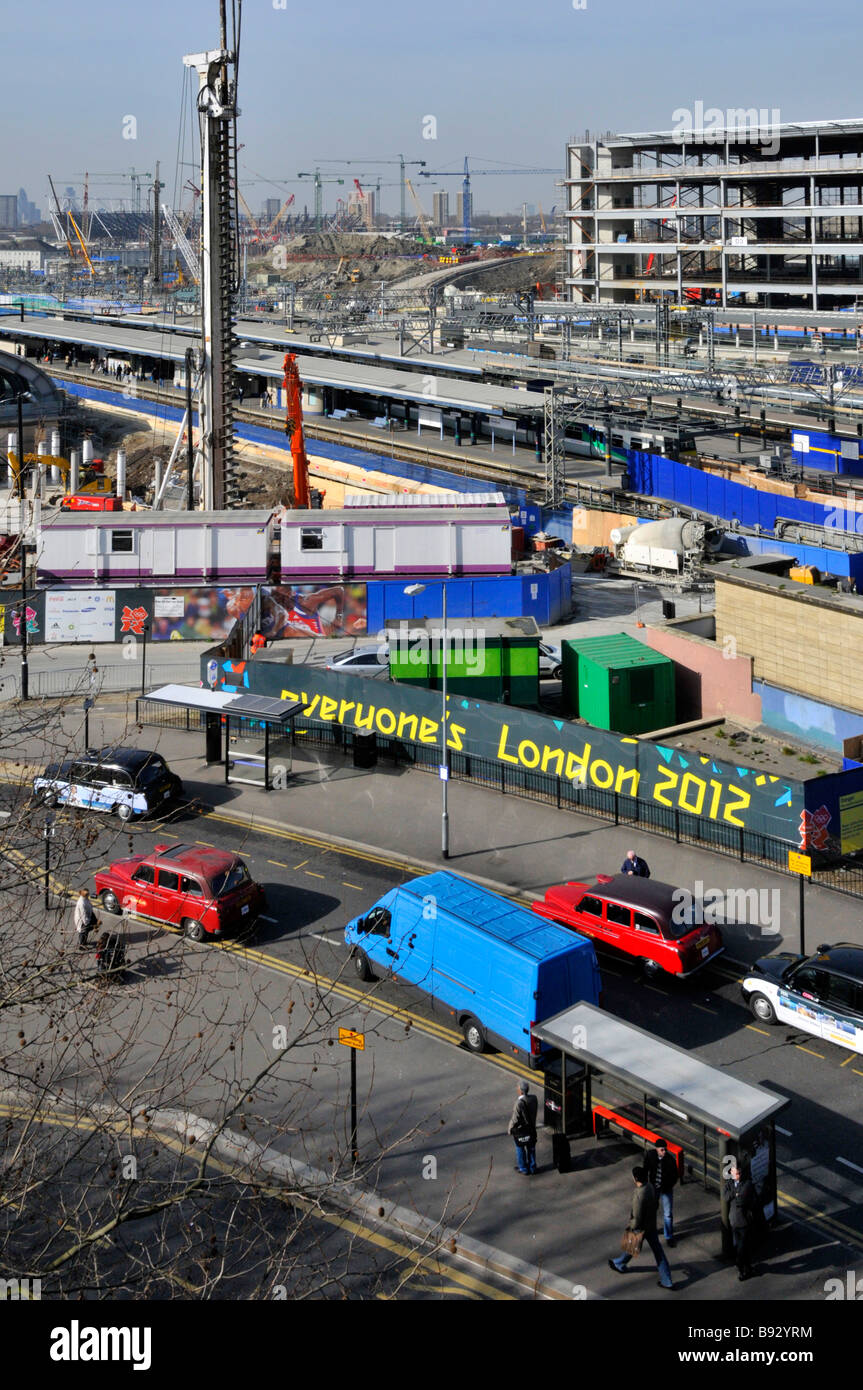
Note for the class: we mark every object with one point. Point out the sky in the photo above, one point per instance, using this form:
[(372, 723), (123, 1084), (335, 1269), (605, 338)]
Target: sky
[(506, 82)]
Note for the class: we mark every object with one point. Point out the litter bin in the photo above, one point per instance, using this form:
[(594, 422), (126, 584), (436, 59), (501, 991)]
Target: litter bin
[(365, 748), (577, 1122)]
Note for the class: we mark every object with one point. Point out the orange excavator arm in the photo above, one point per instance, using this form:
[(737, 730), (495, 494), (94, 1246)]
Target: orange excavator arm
[(294, 428)]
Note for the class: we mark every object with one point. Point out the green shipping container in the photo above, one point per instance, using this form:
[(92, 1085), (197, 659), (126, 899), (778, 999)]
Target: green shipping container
[(618, 683), (493, 668)]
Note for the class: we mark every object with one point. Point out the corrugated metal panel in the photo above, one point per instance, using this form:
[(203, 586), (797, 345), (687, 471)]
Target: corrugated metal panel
[(425, 499)]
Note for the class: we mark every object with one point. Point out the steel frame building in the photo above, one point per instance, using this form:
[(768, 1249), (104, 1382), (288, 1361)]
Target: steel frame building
[(745, 214)]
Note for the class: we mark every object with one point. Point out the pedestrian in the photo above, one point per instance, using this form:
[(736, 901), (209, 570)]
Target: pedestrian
[(642, 1222), (522, 1127), (741, 1198), (633, 865), (85, 918), (662, 1172), (258, 642)]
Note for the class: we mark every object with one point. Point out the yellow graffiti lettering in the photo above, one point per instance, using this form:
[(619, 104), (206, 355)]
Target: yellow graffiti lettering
[(634, 777), (501, 747), (428, 730), (554, 755), (310, 708), (362, 721), (408, 722), (328, 707), (386, 714), (577, 764), (605, 782), (523, 749), (288, 695), (740, 804), (670, 781), (455, 737), (343, 709)]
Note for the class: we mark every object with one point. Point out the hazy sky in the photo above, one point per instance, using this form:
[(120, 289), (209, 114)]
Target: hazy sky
[(506, 81)]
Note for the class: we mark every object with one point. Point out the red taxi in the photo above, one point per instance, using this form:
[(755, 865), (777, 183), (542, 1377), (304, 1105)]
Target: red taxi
[(204, 892), (661, 926)]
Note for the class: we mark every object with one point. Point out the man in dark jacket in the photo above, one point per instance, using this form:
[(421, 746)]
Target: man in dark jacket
[(642, 1220), (522, 1127), (741, 1198), (662, 1171), (633, 865)]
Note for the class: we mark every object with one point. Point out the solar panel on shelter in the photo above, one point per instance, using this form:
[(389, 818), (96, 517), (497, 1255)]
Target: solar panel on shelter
[(263, 707)]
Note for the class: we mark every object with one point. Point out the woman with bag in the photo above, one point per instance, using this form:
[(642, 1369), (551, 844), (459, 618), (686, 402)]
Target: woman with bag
[(642, 1227)]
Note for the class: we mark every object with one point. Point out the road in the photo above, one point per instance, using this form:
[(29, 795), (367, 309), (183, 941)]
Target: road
[(421, 1068)]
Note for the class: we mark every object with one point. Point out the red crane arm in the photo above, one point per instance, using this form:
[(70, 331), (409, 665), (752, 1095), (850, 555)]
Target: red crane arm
[(294, 428)]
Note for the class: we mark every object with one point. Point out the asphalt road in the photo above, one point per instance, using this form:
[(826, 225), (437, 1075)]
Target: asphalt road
[(314, 888)]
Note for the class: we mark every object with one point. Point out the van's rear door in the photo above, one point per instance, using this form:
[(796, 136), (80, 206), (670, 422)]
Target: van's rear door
[(567, 978)]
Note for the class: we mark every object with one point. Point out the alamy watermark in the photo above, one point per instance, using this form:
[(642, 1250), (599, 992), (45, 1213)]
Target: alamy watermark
[(727, 906), (738, 125)]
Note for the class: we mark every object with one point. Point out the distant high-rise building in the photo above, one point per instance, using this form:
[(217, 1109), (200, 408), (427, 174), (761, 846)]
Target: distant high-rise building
[(8, 210), (440, 209), (271, 209), (460, 210), (28, 213)]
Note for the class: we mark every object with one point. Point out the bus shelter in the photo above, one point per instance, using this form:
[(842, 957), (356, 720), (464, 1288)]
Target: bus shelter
[(262, 723), (604, 1074)]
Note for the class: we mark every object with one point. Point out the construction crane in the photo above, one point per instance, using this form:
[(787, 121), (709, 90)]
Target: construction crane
[(365, 206), (183, 244), (61, 230), (319, 197), (251, 216), (294, 428), (401, 161), (271, 230), (423, 220), (466, 177)]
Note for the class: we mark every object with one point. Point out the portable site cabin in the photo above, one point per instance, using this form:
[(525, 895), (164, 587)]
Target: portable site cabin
[(155, 547), (406, 535), (618, 683)]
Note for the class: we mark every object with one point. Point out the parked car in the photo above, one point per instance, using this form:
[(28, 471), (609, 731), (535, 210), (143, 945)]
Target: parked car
[(362, 661), (550, 661), (205, 892), (482, 960), (126, 781), (820, 994), (639, 917)]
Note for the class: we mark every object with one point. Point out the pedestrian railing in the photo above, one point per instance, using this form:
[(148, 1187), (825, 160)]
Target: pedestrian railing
[(90, 681), (747, 846)]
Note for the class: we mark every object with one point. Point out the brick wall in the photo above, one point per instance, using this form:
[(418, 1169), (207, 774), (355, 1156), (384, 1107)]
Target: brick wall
[(709, 682)]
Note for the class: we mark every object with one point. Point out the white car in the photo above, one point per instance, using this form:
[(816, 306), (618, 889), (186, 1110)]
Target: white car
[(362, 661), (550, 662)]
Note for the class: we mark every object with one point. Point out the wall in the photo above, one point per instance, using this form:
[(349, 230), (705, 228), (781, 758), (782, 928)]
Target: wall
[(797, 645), (814, 721), (845, 564), (708, 682), (545, 597)]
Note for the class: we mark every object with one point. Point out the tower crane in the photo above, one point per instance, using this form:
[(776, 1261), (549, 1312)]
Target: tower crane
[(271, 230), (424, 222), (466, 175), (319, 197), (403, 183)]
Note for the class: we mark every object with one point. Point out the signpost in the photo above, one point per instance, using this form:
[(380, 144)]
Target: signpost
[(801, 865), (48, 832), (348, 1037)]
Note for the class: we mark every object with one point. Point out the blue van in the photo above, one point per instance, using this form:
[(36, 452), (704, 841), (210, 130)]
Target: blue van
[(491, 965)]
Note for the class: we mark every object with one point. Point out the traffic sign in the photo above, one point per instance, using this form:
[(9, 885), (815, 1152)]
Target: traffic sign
[(443, 772), (348, 1038), (800, 863)]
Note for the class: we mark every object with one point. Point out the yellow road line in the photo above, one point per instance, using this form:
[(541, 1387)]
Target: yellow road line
[(819, 1055), (278, 863), (703, 1007), (300, 865), (849, 1058), (311, 873), (318, 843), (345, 884), (753, 1029), (425, 1262)]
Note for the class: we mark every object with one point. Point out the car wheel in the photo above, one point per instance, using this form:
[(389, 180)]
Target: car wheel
[(762, 1009), (473, 1035), (362, 968), (649, 969), (193, 930), (110, 902), (557, 673), (123, 812)]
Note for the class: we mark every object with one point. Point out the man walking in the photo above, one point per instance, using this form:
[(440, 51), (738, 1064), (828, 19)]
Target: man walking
[(642, 1220), (85, 918), (741, 1198), (661, 1169), (522, 1127), (633, 865)]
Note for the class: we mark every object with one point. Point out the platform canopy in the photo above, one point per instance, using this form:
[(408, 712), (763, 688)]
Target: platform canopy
[(689, 1088)]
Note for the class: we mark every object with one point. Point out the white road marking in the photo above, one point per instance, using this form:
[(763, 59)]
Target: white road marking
[(849, 1164), (267, 919), (780, 1130), (318, 937)]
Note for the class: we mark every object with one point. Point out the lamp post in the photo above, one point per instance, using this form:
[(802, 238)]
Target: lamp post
[(444, 769), (144, 626)]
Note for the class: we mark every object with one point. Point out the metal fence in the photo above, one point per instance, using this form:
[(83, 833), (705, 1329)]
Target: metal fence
[(747, 846), (91, 681)]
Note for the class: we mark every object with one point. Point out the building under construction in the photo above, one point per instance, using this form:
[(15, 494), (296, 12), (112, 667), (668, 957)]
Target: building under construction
[(732, 211)]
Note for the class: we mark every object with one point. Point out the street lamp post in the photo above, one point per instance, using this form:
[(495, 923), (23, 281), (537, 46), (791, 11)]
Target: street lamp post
[(444, 770), (144, 627)]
